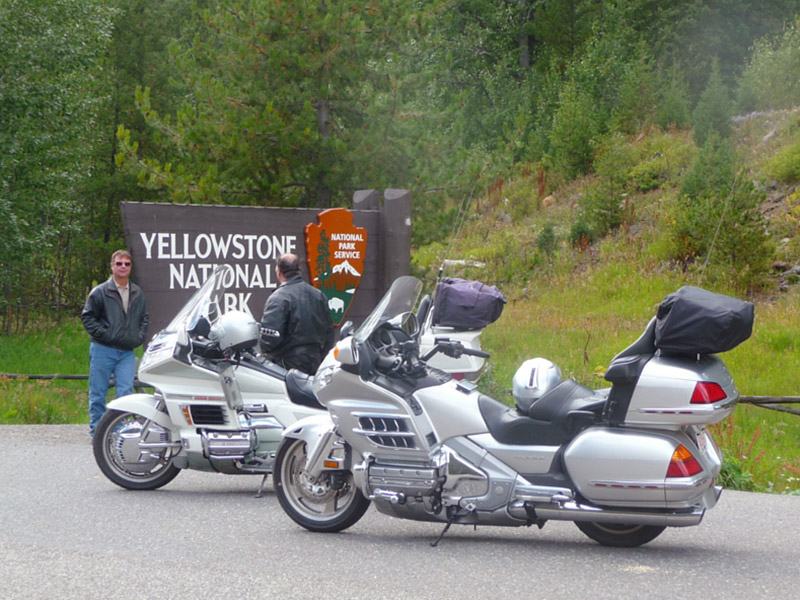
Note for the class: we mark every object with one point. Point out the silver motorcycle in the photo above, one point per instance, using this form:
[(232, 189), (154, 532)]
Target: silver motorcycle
[(623, 463)]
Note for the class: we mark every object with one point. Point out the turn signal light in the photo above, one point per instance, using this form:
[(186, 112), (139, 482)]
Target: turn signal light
[(706, 392), (683, 463)]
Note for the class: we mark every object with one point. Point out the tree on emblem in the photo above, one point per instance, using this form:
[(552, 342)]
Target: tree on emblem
[(323, 260)]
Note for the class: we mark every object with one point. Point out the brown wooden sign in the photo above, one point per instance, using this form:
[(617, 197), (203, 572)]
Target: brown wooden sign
[(175, 246), (336, 251)]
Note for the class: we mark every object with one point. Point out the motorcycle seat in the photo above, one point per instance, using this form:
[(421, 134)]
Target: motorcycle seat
[(552, 420), (298, 386)]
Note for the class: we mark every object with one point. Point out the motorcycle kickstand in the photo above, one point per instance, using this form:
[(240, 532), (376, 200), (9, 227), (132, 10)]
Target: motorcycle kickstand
[(261, 487), (450, 519)]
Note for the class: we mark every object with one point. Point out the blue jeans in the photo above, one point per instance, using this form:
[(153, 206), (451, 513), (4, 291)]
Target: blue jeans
[(103, 361)]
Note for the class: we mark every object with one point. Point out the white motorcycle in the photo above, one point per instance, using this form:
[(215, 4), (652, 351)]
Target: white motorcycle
[(218, 405), (623, 463)]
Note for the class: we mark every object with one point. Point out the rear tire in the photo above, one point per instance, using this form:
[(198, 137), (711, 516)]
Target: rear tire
[(116, 450), (318, 505), (620, 535)]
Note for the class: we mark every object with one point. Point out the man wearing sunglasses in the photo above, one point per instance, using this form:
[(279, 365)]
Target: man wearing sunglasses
[(115, 315)]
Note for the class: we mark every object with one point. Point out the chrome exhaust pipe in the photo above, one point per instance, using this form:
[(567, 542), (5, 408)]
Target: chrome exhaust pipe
[(572, 511)]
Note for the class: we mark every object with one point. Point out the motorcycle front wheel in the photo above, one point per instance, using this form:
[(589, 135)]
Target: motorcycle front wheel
[(328, 504), (118, 453), (620, 535)]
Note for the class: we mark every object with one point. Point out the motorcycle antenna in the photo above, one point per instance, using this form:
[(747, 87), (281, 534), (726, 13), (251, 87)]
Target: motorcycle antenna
[(458, 223), (719, 224)]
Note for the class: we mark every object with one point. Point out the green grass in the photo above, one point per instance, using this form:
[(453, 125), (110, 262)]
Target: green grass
[(47, 350), (57, 350)]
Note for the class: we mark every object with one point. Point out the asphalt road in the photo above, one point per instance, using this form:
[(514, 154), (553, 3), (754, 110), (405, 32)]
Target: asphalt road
[(67, 532)]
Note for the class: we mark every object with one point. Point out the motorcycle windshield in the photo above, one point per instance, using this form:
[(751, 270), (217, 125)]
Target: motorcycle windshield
[(203, 301), (399, 300)]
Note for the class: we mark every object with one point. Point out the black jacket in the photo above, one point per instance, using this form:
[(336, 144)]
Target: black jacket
[(106, 320), (296, 319)]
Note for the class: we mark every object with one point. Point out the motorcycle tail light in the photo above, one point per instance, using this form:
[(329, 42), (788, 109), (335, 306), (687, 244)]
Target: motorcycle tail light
[(706, 392), (683, 463)]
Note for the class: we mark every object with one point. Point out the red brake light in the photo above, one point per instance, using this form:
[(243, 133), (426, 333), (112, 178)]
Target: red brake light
[(683, 463), (706, 392)]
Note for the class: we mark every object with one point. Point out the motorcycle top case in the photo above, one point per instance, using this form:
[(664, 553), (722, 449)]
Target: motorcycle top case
[(465, 304), (696, 321)]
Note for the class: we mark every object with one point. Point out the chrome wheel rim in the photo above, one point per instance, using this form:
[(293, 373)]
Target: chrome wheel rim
[(122, 451), (315, 500)]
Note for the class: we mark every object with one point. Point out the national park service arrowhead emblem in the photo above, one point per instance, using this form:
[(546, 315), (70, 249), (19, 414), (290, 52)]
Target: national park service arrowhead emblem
[(335, 251)]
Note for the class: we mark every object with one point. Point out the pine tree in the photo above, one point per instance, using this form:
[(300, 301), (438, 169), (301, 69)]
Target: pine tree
[(714, 109)]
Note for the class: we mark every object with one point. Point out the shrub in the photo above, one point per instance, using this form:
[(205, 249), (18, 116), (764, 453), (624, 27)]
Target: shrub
[(546, 240), (718, 221), (581, 235), (602, 204), (574, 130), (638, 95), (785, 165), (734, 476), (674, 107), (713, 111), (603, 209), (647, 175), (712, 171), (772, 78)]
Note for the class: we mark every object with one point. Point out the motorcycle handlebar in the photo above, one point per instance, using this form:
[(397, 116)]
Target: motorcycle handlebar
[(454, 350), (478, 353)]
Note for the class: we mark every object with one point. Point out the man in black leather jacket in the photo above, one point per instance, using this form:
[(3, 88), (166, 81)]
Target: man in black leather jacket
[(297, 329), (115, 316)]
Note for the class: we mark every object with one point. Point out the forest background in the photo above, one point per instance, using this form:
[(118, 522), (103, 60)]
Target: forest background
[(588, 157)]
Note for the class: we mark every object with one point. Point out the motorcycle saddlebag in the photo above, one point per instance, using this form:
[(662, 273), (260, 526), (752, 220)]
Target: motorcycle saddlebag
[(465, 304), (696, 321)]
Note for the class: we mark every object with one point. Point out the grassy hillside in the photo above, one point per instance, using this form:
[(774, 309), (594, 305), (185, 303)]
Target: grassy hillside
[(580, 304)]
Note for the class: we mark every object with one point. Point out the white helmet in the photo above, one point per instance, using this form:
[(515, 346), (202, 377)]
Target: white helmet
[(533, 378), (235, 330)]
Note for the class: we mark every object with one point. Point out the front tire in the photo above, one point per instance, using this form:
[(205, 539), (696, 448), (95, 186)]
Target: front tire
[(620, 535), (316, 505), (117, 452)]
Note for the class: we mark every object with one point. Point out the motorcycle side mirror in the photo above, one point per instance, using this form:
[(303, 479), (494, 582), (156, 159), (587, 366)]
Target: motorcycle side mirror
[(346, 352), (346, 329)]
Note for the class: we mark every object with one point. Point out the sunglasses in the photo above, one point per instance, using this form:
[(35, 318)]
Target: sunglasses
[(120, 263)]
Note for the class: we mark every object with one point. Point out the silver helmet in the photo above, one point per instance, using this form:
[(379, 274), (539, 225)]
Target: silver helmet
[(533, 378), (235, 330)]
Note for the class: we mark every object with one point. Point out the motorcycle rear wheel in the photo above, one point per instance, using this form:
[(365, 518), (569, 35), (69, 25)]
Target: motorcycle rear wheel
[(318, 505), (116, 451), (620, 535)]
